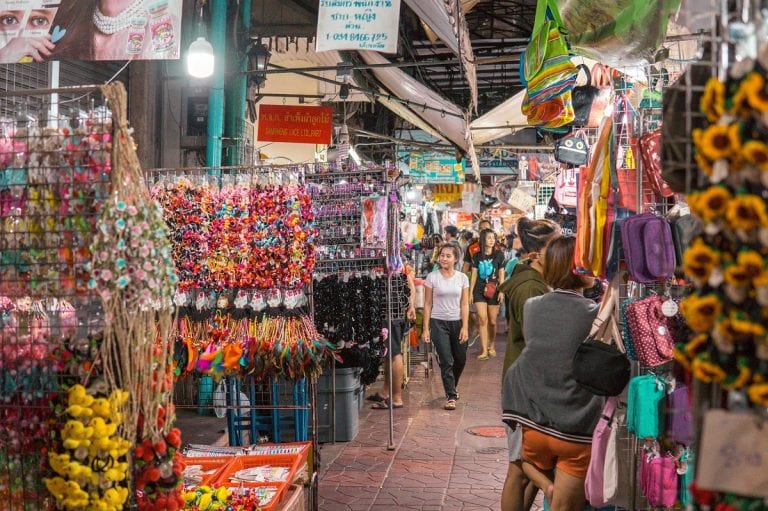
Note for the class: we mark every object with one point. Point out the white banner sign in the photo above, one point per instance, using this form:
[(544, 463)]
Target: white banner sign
[(358, 25)]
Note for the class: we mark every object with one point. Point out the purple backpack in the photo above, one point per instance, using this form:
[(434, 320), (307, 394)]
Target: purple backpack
[(680, 427), (648, 248)]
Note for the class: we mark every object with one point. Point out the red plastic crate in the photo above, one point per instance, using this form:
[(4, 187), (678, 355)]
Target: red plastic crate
[(214, 464), (291, 462)]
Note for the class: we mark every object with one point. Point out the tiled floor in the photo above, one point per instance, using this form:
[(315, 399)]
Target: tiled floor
[(436, 463)]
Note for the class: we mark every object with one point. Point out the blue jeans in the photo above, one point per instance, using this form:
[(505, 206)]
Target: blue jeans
[(451, 354)]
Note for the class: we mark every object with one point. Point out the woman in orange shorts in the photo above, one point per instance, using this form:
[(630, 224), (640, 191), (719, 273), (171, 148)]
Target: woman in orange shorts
[(539, 392)]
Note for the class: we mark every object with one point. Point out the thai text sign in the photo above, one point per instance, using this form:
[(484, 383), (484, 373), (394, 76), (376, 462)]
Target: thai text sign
[(294, 123), (432, 167), (358, 25)]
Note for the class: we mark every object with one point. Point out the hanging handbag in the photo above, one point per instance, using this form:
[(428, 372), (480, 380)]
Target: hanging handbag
[(645, 394), (573, 150), (547, 66), (658, 480), (650, 330), (684, 229), (598, 366), (552, 113), (591, 100), (680, 416), (627, 153), (648, 248), (650, 153), (601, 482)]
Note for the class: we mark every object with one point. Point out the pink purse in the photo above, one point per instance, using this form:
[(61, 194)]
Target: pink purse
[(650, 152), (658, 480), (649, 328)]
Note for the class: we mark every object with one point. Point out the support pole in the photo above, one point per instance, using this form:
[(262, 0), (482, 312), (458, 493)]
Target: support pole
[(237, 92), (216, 98)]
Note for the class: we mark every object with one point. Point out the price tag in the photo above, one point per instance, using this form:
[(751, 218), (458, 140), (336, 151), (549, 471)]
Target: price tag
[(669, 308)]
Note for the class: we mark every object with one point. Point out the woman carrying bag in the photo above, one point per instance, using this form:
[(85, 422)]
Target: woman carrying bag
[(487, 274)]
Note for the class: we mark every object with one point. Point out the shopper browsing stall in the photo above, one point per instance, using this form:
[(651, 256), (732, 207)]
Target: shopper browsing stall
[(557, 415), (525, 281), (487, 274), (446, 319)]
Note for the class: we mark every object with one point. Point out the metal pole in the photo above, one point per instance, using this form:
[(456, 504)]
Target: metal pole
[(237, 91), (391, 444), (216, 98)]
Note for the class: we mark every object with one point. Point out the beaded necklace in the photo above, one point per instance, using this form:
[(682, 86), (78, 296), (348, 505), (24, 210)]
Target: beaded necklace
[(112, 24)]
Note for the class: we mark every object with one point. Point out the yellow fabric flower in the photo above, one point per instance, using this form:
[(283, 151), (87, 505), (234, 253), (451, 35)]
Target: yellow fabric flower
[(738, 328), (697, 343), (701, 311), (761, 279), (711, 204), (752, 263), (755, 153), (682, 359), (736, 275), (706, 371), (713, 100), (700, 259), (746, 212), (754, 88), (737, 381), (758, 394), (703, 163), (718, 142)]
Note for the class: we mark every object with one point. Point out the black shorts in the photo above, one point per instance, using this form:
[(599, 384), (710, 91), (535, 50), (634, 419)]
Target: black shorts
[(477, 295), (398, 325)]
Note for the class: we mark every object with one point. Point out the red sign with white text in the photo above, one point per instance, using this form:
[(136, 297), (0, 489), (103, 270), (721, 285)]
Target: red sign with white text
[(295, 123)]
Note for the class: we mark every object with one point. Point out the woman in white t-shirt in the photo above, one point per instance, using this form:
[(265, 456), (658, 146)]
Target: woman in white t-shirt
[(446, 319)]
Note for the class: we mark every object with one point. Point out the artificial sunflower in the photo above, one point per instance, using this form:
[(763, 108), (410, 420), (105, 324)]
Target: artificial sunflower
[(754, 88), (697, 343), (713, 100), (758, 394), (704, 164), (699, 260), (720, 141), (700, 312), (737, 327), (752, 262), (736, 275), (682, 359), (737, 381), (755, 153), (705, 370), (746, 212), (711, 204)]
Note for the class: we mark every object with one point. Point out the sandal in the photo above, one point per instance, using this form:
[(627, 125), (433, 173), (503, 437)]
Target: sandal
[(384, 405), (450, 404), (492, 353), (483, 356), (376, 398)]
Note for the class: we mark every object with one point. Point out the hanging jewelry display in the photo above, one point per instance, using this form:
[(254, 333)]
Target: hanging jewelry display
[(132, 270)]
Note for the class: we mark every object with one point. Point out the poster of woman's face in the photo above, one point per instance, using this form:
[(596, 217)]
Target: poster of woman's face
[(40, 30)]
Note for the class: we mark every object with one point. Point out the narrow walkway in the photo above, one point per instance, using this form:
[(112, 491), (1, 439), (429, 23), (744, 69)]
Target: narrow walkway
[(436, 464)]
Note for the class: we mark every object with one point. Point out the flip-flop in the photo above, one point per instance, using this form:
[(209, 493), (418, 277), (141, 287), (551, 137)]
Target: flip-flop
[(384, 405), (376, 398)]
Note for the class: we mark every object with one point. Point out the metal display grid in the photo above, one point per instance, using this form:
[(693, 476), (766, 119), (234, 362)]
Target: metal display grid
[(54, 175)]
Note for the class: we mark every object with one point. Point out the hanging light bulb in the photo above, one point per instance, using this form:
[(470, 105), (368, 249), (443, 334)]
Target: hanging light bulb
[(200, 59)]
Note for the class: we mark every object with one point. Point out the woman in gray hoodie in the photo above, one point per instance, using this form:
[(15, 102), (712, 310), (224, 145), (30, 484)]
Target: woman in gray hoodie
[(539, 391)]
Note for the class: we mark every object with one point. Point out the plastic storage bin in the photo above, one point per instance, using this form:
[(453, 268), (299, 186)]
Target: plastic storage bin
[(347, 404)]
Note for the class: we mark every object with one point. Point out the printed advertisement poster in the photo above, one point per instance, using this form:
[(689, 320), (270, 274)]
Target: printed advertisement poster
[(432, 167), (358, 25), (40, 30)]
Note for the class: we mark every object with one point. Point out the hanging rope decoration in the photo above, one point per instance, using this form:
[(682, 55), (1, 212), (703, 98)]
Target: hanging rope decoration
[(132, 270)]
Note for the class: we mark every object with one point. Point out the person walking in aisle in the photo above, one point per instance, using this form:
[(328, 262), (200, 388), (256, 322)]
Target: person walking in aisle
[(446, 319), (539, 393), (525, 281), (487, 270), (474, 246), (452, 237)]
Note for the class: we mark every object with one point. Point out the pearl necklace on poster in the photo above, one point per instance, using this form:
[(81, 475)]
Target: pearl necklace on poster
[(112, 24)]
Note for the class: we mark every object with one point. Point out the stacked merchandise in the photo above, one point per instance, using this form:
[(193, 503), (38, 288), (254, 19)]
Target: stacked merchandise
[(243, 254)]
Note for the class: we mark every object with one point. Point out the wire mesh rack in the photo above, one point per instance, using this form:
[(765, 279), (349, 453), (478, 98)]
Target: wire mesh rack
[(55, 170)]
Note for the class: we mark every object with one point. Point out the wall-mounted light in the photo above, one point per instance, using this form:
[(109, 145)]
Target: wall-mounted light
[(200, 59), (258, 60)]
